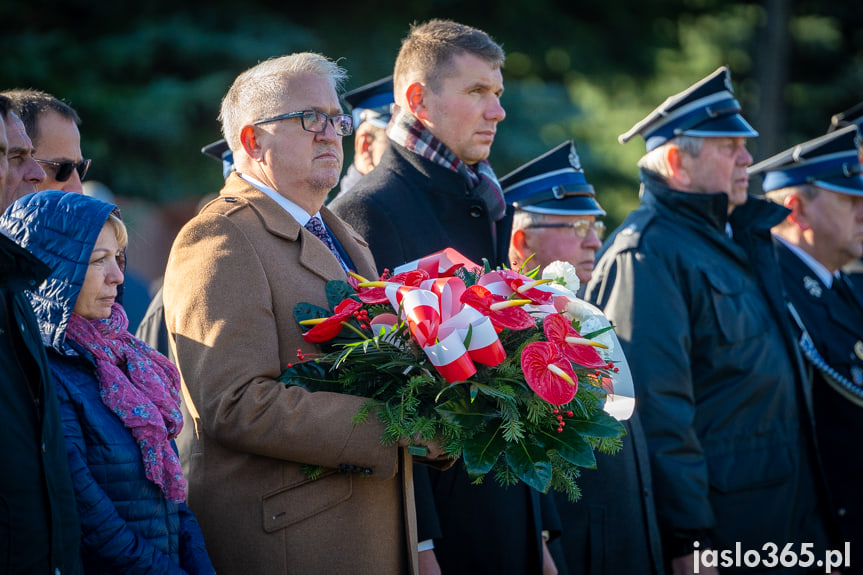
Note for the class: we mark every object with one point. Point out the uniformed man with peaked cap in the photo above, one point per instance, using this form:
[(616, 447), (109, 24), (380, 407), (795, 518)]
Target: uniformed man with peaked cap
[(853, 115), (371, 106), (692, 285), (220, 151), (820, 182), (555, 212), (556, 218)]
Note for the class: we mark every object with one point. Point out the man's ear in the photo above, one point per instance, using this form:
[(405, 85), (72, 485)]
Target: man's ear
[(798, 215), (249, 140), (676, 161), (518, 242), (416, 101)]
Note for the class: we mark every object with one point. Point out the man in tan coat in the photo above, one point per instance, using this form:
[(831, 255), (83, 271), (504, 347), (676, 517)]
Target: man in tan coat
[(235, 272)]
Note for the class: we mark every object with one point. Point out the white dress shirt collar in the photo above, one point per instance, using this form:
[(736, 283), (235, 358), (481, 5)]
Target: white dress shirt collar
[(817, 268), (298, 213)]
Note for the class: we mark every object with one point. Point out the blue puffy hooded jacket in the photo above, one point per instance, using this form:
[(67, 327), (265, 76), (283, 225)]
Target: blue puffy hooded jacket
[(127, 524)]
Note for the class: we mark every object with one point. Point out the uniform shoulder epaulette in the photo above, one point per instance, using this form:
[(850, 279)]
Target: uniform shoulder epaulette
[(629, 236), (224, 205)]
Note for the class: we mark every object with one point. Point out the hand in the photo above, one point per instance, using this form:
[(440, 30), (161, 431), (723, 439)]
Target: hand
[(548, 566), (428, 563), (686, 566)]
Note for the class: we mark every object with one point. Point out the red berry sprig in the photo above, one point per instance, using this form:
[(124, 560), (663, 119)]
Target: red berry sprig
[(362, 317)]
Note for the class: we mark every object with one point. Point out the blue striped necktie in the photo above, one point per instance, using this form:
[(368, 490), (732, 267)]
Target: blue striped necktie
[(316, 226)]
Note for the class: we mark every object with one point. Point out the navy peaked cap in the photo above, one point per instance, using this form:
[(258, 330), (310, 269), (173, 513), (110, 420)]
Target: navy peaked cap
[(372, 102), (553, 183), (706, 109), (830, 162), (220, 151)]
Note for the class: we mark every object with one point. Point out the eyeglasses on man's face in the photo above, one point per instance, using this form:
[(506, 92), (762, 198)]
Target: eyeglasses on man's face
[(316, 122), (63, 170), (580, 227)]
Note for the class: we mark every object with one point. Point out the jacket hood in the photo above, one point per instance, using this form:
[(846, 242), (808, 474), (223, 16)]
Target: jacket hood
[(59, 228)]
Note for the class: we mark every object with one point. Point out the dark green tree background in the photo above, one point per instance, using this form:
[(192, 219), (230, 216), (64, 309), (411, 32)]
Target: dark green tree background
[(147, 77)]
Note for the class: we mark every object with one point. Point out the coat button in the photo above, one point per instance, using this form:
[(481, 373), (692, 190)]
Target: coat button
[(57, 571), (476, 211), (841, 512), (44, 448)]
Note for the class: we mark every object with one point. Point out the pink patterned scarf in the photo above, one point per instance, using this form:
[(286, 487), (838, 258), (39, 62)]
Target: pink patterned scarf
[(142, 387)]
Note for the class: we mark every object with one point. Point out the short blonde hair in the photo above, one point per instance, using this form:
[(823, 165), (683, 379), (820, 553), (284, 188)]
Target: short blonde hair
[(259, 91), (428, 50), (120, 230)]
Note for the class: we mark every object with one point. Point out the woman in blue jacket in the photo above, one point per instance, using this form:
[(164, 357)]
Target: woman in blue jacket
[(119, 398)]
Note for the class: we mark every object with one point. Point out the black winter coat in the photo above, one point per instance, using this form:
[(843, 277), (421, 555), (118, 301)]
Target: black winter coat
[(39, 530), (718, 379), (409, 207)]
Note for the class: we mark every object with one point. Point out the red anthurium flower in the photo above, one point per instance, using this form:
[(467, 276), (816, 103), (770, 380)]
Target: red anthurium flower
[(547, 373), (572, 346), (328, 328), (503, 313), (526, 287), (375, 292)]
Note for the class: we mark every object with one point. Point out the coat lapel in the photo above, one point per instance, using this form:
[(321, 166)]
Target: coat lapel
[(314, 255)]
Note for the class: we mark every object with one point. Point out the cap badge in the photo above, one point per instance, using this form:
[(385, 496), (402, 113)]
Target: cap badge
[(574, 160)]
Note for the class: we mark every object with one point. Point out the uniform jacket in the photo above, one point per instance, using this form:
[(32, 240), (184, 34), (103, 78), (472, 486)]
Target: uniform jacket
[(127, 524), (835, 325), (409, 207), (39, 530), (718, 382), (235, 272), (612, 529)]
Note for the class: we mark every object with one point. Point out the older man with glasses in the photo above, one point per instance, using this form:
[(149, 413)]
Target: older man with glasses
[(555, 213), (53, 126), (235, 273)]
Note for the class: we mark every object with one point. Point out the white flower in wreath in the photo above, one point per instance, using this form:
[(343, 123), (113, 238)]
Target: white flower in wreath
[(562, 273), (591, 319)]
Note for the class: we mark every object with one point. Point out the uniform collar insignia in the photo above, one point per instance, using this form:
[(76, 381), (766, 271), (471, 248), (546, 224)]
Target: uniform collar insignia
[(812, 286)]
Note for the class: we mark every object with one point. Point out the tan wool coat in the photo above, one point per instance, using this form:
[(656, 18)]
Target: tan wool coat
[(235, 272)]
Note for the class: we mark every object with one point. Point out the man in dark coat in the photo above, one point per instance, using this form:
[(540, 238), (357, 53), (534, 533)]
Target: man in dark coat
[(435, 189), (820, 182), (39, 531), (692, 285)]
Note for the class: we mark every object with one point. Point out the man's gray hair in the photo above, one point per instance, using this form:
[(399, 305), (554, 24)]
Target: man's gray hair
[(259, 92), (522, 219), (656, 160)]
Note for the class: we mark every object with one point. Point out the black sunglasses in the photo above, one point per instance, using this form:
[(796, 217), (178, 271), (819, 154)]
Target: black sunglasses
[(63, 170)]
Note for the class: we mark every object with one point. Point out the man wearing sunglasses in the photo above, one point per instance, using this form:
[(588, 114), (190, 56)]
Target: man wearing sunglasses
[(53, 126), (24, 175)]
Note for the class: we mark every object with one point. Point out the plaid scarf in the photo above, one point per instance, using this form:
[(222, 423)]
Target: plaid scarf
[(142, 388), (407, 131)]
